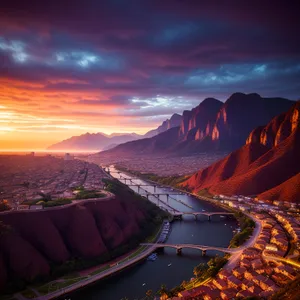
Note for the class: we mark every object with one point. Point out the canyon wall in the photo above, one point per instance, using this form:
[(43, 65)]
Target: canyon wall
[(267, 166)]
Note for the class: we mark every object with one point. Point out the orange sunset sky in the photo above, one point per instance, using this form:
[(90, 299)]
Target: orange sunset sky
[(126, 66)]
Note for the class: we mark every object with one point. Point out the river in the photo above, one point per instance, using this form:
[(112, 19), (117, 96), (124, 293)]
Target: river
[(134, 282)]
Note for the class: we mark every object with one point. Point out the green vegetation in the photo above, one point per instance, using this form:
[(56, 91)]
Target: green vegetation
[(53, 286), (289, 291), (50, 203), (57, 202), (204, 193), (100, 270), (201, 271), (85, 194), (211, 269), (45, 197), (247, 225), (148, 230), (154, 215), (165, 180), (164, 291)]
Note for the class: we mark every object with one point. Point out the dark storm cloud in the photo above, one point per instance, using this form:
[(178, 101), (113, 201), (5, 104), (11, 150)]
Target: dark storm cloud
[(141, 49)]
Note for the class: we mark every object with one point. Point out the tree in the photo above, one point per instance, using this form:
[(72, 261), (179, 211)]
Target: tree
[(149, 293), (198, 270), (163, 290)]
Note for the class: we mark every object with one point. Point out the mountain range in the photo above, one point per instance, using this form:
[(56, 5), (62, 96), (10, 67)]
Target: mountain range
[(267, 166), (211, 126), (101, 141)]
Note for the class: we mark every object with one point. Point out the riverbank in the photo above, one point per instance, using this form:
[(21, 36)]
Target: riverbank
[(242, 241), (66, 284)]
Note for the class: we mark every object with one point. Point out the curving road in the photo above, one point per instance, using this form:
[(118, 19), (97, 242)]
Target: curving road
[(234, 259)]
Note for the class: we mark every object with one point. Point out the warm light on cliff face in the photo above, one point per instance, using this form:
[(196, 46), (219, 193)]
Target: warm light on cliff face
[(295, 119), (199, 135), (263, 137), (215, 133), (278, 135)]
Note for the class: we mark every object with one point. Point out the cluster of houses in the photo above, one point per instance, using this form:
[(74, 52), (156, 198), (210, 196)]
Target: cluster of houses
[(257, 273), (291, 225), (26, 178)]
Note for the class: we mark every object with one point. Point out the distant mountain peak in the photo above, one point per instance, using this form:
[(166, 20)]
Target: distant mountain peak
[(210, 100)]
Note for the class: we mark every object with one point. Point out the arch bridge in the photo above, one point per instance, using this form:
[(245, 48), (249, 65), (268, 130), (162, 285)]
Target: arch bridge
[(202, 213), (202, 248)]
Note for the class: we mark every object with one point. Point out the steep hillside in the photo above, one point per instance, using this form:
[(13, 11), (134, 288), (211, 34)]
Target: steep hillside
[(211, 126), (157, 144), (174, 121), (268, 165), (35, 242)]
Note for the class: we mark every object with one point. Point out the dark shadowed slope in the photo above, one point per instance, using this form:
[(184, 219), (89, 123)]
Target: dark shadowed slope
[(174, 121), (287, 191), (211, 126), (270, 161)]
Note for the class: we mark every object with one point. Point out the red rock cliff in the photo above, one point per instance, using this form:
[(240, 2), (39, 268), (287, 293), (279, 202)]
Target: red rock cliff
[(266, 166)]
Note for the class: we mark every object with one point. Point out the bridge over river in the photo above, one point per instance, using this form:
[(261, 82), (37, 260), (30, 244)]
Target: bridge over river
[(202, 213), (203, 248)]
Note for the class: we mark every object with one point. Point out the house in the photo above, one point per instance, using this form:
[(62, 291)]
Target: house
[(249, 275), (250, 253), (212, 295), (257, 279), (266, 294), (245, 263), (221, 284), (260, 245), (272, 247), (256, 290), (224, 274), (228, 294), (280, 279), (267, 284), (239, 272), (286, 270), (256, 264), (234, 282), (247, 284), (244, 294)]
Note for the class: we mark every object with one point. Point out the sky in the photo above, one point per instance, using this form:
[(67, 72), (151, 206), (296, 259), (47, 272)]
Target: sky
[(70, 67)]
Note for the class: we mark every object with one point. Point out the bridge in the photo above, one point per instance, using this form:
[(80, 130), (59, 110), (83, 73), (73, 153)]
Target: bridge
[(202, 248), (160, 194), (202, 213)]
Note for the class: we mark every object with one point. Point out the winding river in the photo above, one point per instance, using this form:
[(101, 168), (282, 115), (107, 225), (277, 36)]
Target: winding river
[(134, 282)]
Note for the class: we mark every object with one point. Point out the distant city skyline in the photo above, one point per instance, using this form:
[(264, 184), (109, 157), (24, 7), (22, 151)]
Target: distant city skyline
[(125, 66)]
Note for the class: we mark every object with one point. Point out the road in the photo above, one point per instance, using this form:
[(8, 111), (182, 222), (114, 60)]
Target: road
[(281, 259), (99, 276), (93, 278), (234, 259)]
